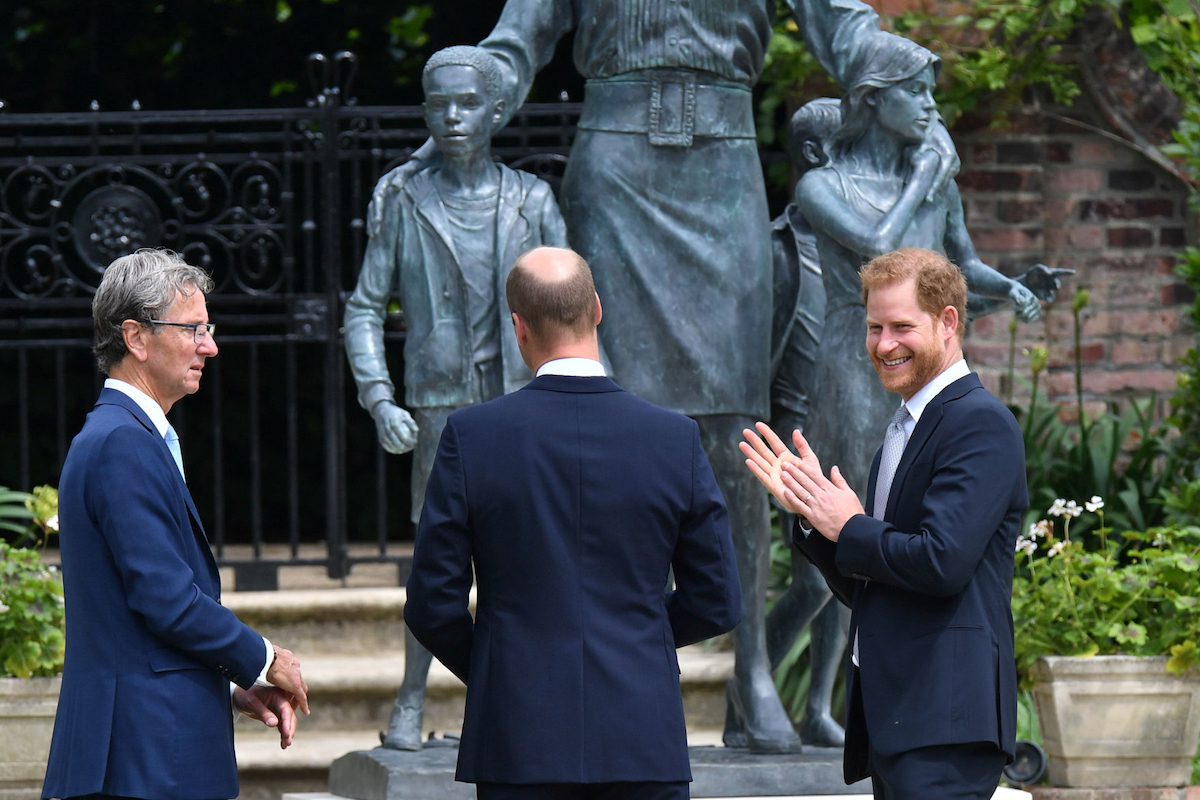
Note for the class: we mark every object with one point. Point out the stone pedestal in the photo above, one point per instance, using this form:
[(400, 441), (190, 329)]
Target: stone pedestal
[(381, 774)]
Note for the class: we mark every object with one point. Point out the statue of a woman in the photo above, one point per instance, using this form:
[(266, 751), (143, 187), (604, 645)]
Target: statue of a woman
[(878, 193)]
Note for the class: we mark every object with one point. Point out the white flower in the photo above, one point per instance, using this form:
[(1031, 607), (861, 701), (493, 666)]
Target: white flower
[(1040, 529), (52, 523), (1095, 504), (3, 608), (1160, 540), (1030, 547), (1072, 509), (1055, 549), (1058, 508)]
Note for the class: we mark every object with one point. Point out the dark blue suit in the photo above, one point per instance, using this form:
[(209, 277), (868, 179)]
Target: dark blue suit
[(144, 709), (930, 586), (572, 498)]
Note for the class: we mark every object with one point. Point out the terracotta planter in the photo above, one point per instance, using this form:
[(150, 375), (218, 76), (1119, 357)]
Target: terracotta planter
[(1117, 721), (27, 709)]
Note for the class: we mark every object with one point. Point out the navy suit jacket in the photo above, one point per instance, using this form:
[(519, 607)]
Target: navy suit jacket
[(572, 499), (931, 584), (144, 709)]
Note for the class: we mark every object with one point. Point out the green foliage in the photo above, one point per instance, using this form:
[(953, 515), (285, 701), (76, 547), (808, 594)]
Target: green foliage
[(15, 516), (1001, 50), (1166, 33), (1134, 594), (31, 615)]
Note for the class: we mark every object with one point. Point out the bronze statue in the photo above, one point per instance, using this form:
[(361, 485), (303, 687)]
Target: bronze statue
[(880, 192), (664, 197), (450, 233)]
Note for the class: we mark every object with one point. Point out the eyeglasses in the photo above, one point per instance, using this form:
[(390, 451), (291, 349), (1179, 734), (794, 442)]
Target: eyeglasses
[(200, 330)]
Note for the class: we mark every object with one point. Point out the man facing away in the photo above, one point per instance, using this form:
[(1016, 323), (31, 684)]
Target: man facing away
[(152, 657), (573, 500), (446, 240), (932, 681)]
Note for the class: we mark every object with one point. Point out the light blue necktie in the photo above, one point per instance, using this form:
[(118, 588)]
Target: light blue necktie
[(173, 445), (893, 447)]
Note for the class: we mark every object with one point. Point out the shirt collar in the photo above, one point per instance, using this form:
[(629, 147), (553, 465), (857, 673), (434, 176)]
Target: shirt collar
[(145, 402), (916, 404), (573, 366)]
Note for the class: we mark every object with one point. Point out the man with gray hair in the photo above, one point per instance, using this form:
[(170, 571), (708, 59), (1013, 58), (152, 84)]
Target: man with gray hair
[(451, 234), (153, 659)]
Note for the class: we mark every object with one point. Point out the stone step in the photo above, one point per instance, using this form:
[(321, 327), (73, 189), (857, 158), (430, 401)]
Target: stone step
[(355, 692), (363, 620)]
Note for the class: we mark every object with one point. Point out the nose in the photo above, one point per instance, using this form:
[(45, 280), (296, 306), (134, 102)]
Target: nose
[(208, 346), (453, 112), (927, 101)]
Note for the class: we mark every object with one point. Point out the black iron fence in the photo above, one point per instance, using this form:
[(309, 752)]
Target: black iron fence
[(272, 202)]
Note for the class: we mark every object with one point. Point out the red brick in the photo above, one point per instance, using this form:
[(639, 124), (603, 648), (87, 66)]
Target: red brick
[(1192, 793), (1176, 294), (1165, 265), (1058, 152), (983, 153), (1174, 349), (984, 326), (988, 354), (1131, 294), (1144, 323), (993, 181), (1007, 238), (1059, 383), (1062, 353), (1059, 209), (1130, 237), (1172, 237), (1128, 262), (1074, 180), (1095, 151), (1060, 323), (1157, 380), (1089, 236), (1095, 323), (1132, 352), (1018, 210)]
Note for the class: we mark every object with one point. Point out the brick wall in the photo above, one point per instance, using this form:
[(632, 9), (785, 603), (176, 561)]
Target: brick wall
[(1047, 191)]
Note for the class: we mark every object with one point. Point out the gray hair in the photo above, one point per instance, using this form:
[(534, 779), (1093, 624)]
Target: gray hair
[(141, 286), (466, 56)]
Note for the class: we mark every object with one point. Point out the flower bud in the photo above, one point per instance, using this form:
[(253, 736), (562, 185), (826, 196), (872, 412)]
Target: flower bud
[(1038, 356), (1081, 300)]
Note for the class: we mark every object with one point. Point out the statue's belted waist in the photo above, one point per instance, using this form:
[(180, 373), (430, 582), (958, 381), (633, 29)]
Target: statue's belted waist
[(671, 106)]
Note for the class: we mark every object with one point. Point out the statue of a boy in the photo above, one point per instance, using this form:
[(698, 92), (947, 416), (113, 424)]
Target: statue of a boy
[(446, 241)]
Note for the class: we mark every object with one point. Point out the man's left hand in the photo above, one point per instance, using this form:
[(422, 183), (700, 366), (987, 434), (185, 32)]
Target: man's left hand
[(273, 707), (825, 502)]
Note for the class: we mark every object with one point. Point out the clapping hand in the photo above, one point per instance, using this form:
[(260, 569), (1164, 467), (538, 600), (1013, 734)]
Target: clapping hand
[(797, 481)]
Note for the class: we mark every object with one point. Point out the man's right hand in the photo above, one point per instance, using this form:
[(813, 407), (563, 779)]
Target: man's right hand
[(395, 427), (285, 674)]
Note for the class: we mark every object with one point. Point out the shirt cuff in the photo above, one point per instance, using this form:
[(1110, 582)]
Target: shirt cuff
[(261, 680), (803, 526)]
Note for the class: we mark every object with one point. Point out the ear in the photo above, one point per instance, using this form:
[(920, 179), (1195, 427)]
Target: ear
[(521, 328), (497, 112), (949, 321), (599, 310), (137, 338), (813, 153)]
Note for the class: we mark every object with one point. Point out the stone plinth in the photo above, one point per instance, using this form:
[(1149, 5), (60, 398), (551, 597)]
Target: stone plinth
[(381, 774)]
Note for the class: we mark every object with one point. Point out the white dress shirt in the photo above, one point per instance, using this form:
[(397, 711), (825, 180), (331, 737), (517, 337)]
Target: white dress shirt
[(573, 366)]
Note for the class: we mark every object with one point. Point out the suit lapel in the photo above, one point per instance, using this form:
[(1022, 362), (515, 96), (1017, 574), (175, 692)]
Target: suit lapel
[(121, 399), (930, 418)]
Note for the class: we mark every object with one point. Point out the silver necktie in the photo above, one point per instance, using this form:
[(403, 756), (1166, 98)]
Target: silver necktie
[(889, 459), (173, 445)]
